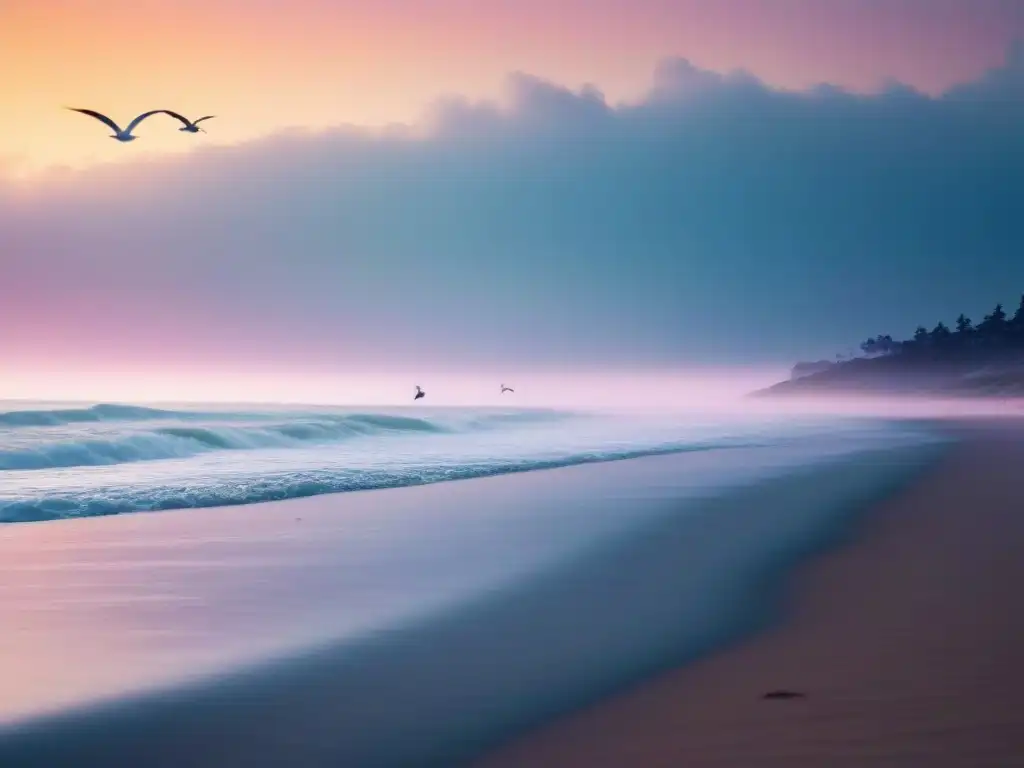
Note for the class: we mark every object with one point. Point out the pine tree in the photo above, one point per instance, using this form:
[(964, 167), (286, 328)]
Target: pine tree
[(1018, 316), (940, 333), (994, 321), (992, 330)]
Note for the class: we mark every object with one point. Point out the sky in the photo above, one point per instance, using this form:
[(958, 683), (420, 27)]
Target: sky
[(496, 186), (264, 65)]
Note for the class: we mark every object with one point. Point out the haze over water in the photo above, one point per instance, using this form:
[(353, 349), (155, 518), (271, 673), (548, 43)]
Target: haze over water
[(228, 534)]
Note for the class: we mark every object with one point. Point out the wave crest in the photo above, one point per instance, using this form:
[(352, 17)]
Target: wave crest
[(178, 440), (102, 412)]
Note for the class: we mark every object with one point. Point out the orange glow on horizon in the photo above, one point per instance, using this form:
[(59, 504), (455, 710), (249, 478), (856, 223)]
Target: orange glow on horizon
[(263, 67)]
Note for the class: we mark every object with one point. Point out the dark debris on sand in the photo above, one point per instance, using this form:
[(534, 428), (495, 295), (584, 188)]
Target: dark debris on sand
[(784, 695)]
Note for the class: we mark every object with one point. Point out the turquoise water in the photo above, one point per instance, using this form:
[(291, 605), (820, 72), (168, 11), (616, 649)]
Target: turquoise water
[(62, 461)]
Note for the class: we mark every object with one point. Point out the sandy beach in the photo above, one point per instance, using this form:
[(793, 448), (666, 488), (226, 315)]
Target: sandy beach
[(908, 642), (410, 626)]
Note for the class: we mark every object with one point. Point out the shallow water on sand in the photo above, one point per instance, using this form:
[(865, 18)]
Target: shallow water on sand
[(66, 460), (445, 614)]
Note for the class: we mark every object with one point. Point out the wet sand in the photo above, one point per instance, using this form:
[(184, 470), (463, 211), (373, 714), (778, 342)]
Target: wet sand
[(908, 642), (409, 626)]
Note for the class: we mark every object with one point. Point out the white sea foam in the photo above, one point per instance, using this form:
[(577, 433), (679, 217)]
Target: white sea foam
[(58, 462), (415, 626)]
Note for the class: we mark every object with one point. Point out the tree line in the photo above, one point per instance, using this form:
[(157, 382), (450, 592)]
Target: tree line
[(997, 331)]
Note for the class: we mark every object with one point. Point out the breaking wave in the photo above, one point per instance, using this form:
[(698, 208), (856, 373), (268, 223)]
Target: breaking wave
[(295, 484), (113, 459), (102, 412), (141, 440)]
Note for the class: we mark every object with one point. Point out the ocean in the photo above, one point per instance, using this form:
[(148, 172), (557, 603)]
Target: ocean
[(376, 623), (67, 460)]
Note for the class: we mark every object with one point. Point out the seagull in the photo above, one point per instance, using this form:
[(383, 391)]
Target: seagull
[(191, 126), (123, 136), (505, 389), (419, 393)]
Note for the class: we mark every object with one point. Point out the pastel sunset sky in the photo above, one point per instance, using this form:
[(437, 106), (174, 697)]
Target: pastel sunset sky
[(268, 65), (465, 183)]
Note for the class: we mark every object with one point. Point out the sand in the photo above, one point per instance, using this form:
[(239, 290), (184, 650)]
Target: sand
[(908, 642), (413, 626)]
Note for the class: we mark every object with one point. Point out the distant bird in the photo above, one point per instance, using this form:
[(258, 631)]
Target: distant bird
[(505, 389), (123, 136), (191, 126), (419, 393)]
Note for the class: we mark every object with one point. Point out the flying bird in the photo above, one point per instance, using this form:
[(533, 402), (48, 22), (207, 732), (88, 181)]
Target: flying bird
[(419, 393), (505, 389), (125, 135), (191, 126)]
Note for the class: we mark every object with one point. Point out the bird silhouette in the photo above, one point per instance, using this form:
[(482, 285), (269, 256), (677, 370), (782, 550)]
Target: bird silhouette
[(191, 126), (419, 393), (125, 135)]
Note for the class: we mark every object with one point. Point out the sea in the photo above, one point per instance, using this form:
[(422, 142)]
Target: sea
[(167, 598), (60, 460)]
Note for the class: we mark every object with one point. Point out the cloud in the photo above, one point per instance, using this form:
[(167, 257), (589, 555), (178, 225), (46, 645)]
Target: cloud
[(716, 220)]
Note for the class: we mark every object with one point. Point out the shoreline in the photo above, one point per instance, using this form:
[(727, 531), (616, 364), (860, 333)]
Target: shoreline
[(450, 662), (907, 639)]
